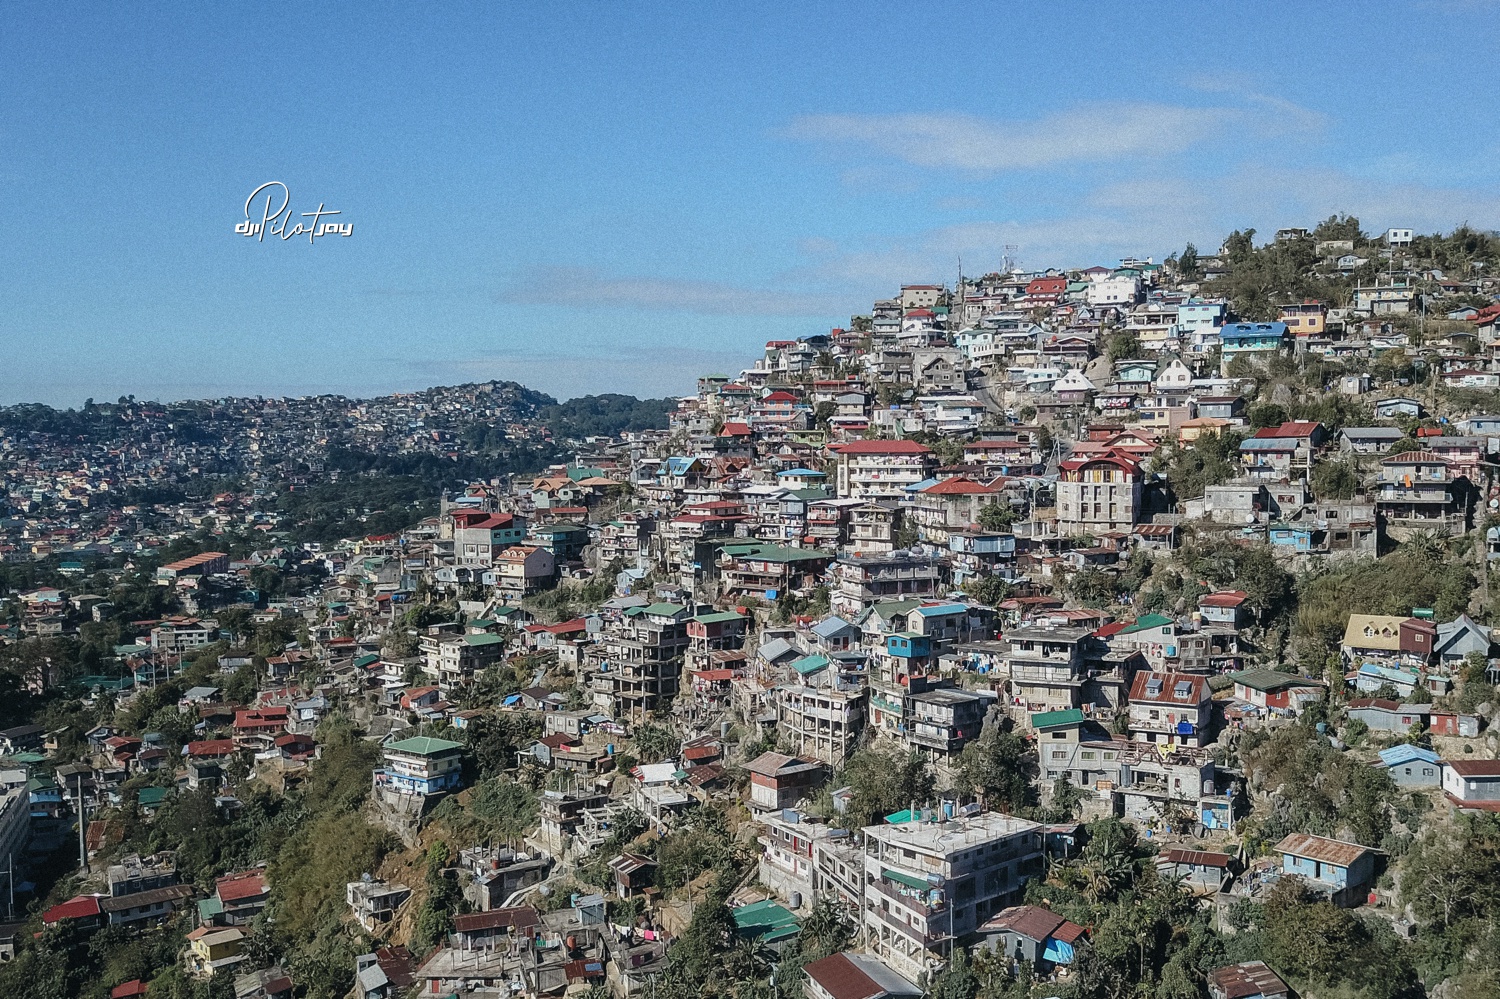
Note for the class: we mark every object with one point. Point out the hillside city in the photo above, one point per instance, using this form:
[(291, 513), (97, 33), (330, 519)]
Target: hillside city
[(1125, 631)]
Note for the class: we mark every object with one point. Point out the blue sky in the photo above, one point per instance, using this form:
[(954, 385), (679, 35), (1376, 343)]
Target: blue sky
[(594, 197)]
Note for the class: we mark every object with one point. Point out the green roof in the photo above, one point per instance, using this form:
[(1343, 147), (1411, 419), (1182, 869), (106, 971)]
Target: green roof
[(1051, 719), (663, 609), (107, 682), (484, 639), (896, 818), (1272, 680), (363, 661), (767, 919), (776, 553), (208, 908), (890, 607), (719, 617), (910, 880), (148, 796), (810, 664), (423, 746), (1149, 621)]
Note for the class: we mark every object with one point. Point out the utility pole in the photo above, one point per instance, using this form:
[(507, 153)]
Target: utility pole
[(83, 850)]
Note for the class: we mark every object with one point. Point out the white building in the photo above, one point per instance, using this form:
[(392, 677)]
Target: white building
[(928, 883), (880, 469)]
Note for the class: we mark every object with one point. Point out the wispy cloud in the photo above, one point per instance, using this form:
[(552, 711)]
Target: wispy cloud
[(1089, 134), (585, 287)]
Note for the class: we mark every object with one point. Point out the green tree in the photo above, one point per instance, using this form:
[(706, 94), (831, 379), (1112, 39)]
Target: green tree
[(997, 516)]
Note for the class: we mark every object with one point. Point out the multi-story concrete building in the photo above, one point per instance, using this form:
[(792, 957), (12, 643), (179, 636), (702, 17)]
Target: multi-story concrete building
[(643, 660), (522, 570), (823, 722), (479, 536), (1098, 494), (929, 884), (787, 863), (943, 720), (420, 767), (1053, 669), (880, 469), (1418, 490), (766, 570), (862, 582), (1170, 708), (454, 659)]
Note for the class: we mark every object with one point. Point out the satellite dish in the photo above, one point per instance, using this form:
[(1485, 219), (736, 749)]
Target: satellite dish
[(1249, 518)]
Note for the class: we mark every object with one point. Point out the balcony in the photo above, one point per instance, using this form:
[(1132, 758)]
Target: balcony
[(925, 939), (1437, 492), (906, 900)]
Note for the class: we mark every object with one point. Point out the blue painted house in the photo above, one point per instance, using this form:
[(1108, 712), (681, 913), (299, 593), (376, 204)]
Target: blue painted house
[(1293, 537), (1410, 766), (421, 767), (908, 645), (1343, 871), (1251, 338)]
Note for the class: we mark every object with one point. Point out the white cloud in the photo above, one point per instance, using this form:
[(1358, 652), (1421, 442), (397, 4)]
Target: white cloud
[(584, 287), (1093, 133), (1146, 215)]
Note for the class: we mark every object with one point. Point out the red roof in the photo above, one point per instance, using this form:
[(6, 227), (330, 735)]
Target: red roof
[(779, 397), (272, 717), (1108, 458), (701, 753), (841, 978), (958, 486), (735, 429), (1290, 429), (880, 447), (129, 990), (566, 627), (515, 917), (236, 887), (1224, 598), (211, 747), (1197, 688), (1415, 458), (79, 907), (1474, 768), (481, 520)]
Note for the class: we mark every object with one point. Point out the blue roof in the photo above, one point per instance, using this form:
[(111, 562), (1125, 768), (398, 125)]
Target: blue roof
[(803, 471), (810, 664), (1251, 330), (937, 610), (1397, 755), (829, 626), (1387, 673)]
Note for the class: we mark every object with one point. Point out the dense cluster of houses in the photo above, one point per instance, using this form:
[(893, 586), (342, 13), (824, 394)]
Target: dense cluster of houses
[(862, 538)]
